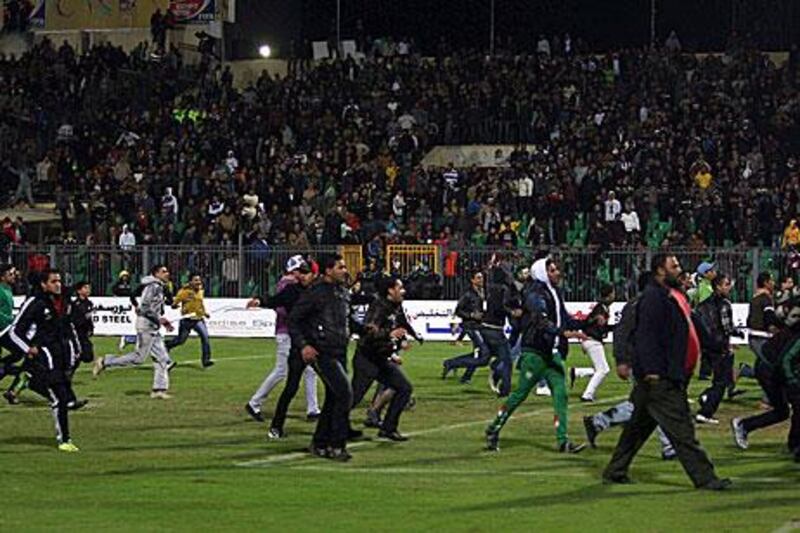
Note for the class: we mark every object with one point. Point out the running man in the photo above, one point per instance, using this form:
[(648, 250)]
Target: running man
[(545, 328), (149, 319)]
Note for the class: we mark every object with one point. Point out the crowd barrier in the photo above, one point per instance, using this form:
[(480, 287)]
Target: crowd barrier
[(433, 319)]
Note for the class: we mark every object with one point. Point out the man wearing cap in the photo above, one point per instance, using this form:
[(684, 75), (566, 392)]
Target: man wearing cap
[(193, 317), (296, 269), (706, 272)]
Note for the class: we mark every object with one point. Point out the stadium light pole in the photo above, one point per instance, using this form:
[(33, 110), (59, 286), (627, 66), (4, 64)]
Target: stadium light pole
[(652, 23), (338, 27), (491, 30)]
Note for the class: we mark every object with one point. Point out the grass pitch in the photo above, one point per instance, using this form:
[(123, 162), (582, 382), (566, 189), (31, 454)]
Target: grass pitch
[(197, 462)]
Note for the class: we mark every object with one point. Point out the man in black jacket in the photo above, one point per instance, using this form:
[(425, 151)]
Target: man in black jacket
[(470, 309), (666, 351), (80, 314), (319, 328), (772, 376), (47, 351), (385, 330), (718, 314)]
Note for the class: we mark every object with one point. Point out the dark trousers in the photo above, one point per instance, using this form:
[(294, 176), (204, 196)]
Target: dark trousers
[(296, 368), (706, 365), (776, 394), (334, 420), (185, 328), (661, 403), (793, 394), (778, 397), (480, 356), (710, 398), (388, 374), (499, 346)]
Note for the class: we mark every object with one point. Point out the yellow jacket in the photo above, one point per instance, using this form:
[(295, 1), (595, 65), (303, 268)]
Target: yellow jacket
[(791, 235), (191, 302)]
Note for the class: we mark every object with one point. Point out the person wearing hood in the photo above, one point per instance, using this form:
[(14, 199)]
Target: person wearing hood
[(149, 320), (545, 328)]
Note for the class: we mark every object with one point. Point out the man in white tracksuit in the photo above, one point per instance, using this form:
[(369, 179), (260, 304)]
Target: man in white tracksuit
[(149, 319), (296, 269), (596, 329)]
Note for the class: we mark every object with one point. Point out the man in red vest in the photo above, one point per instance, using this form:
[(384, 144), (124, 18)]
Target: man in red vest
[(666, 351)]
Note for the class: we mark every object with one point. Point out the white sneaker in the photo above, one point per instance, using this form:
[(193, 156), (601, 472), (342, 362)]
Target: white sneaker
[(98, 366), (160, 395), (543, 391), (739, 434), (700, 419), (492, 383)]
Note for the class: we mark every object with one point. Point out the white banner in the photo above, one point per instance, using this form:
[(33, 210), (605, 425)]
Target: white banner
[(433, 319)]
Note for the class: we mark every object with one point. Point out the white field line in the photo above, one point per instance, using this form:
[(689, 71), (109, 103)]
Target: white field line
[(565, 473), (440, 429), (791, 525)]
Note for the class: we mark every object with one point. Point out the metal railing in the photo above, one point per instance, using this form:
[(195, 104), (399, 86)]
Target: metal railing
[(242, 271)]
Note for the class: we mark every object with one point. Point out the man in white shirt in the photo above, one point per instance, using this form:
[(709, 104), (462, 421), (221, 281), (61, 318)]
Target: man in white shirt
[(127, 240), (524, 193), (613, 208)]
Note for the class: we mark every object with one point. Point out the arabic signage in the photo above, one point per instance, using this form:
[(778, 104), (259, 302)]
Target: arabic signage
[(433, 319)]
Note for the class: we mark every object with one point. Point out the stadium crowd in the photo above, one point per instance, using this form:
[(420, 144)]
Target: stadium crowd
[(141, 148)]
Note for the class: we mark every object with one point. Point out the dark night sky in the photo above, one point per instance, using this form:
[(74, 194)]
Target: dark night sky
[(603, 24)]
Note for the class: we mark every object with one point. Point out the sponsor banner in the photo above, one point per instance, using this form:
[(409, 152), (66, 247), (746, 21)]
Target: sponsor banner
[(193, 11), (115, 316), (433, 319), (36, 17)]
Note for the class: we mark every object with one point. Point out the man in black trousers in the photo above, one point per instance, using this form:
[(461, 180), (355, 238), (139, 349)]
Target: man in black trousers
[(318, 324), (385, 330), (718, 314), (666, 351)]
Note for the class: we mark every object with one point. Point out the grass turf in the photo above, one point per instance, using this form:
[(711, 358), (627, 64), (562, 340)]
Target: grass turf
[(197, 462)]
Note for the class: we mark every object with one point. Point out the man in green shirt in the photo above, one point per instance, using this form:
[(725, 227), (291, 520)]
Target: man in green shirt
[(706, 272), (8, 275)]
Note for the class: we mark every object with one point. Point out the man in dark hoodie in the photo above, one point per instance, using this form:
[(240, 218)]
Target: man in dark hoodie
[(545, 328), (666, 351)]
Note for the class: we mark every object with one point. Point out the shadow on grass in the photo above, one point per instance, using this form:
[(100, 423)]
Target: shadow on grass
[(28, 440), (591, 493)]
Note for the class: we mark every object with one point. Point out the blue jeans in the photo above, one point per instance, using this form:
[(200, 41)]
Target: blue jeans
[(479, 356), (186, 327), (502, 366)]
